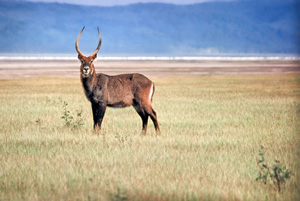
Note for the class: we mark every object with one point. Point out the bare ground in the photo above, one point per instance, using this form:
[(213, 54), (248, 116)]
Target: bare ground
[(20, 69)]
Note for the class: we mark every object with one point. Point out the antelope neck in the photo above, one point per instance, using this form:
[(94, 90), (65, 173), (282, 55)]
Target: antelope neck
[(88, 83)]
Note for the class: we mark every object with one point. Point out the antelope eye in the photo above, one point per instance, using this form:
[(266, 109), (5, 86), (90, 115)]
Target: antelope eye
[(91, 61), (81, 61)]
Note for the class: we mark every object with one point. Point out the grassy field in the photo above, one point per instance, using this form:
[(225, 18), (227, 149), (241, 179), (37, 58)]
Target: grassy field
[(212, 129)]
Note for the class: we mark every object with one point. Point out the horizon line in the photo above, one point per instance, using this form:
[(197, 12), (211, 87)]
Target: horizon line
[(266, 57)]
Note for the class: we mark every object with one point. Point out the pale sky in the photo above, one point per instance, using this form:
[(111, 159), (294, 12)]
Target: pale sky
[(123, 2)]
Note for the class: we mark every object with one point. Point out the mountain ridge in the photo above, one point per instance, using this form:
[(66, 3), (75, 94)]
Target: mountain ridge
[(151, 28)]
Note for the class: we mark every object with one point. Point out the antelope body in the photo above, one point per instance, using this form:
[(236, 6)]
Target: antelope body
[(115, 91)]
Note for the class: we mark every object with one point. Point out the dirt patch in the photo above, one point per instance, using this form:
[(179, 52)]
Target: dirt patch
[(20, 69)]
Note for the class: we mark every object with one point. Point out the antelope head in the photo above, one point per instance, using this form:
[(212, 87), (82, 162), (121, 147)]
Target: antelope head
[(87, 67)]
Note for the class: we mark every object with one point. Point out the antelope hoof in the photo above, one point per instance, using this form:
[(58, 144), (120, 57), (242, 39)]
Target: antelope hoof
[(97, 131)]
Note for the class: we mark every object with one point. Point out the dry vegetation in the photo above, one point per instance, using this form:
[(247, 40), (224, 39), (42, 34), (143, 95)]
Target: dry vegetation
[(212, 129)]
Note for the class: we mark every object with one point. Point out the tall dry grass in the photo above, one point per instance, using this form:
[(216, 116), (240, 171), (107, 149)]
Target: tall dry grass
[(212, 129)]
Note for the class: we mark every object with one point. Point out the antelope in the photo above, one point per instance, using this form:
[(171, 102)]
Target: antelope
[(117, 91)]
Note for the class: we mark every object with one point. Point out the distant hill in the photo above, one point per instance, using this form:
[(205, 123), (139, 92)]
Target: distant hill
[(256, 26)]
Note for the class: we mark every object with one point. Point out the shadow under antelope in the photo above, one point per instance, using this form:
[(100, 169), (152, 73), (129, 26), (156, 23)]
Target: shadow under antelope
[(115, 91)]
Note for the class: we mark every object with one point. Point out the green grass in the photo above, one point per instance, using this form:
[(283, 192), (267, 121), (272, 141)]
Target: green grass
[(212, 129)]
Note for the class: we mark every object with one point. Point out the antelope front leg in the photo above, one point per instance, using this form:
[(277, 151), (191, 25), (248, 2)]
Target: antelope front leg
[(98, 114)]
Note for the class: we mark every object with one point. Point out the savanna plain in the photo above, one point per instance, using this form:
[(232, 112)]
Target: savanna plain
[(212, 128)]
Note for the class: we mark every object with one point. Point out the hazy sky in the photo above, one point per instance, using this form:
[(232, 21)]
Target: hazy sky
[(122, 2)]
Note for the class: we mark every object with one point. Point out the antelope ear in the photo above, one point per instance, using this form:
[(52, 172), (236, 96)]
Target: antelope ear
[(95, 56)]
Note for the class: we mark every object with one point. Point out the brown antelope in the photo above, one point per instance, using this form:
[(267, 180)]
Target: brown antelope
[(115, 91)]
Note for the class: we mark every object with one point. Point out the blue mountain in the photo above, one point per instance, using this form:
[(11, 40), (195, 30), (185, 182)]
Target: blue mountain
[(256, 26)]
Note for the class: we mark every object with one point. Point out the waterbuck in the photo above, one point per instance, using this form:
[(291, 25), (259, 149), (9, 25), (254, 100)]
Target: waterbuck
[(115, 91)]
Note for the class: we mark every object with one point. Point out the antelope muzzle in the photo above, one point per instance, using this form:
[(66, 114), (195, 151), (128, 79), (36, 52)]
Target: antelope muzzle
[(86, 71)]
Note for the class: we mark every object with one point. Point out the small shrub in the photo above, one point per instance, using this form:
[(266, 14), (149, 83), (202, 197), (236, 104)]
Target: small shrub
[(275, 174), (71, 122), (118, 196)]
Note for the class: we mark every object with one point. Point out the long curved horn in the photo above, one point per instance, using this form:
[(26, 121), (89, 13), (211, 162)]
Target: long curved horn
[(99, 44), (77, 41)]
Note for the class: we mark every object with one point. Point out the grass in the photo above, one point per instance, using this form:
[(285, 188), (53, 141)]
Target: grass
[(212, 129)]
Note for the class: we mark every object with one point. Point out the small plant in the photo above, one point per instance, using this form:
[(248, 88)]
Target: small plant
[(276, 174), (118, 196), (38, 120), (79, 121), (48, 100), (66, 114), (70, 121)]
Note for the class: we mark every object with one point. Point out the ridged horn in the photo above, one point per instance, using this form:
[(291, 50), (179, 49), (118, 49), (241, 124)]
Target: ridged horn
[(99, 44), (77, 41)]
